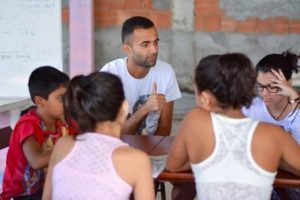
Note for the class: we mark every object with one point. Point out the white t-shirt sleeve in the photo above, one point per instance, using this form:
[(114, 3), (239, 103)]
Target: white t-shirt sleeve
[(104, 69), (115, 67), (172, 89), (109, 67)]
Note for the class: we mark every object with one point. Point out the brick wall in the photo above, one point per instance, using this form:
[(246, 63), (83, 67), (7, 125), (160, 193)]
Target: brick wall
[(208, 17), (114, 12), (191, 29)]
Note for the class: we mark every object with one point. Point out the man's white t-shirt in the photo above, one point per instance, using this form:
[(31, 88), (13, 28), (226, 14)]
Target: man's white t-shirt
[(137, 91), (162, 74)]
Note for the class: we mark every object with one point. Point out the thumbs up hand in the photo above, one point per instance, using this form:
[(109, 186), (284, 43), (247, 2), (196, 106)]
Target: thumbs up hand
[(154, 88), (156, 102)]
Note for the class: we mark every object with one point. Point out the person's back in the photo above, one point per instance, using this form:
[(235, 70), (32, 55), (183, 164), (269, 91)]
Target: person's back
[(34, 135), (96, 164), (225, 165), (91, 165), (232, 157)]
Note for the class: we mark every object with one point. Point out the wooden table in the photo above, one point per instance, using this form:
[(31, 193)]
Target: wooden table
[(160, 145), (142, 142)]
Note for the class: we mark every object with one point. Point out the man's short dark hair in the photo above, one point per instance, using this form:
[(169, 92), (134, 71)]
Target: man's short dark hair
[(44, 80), (133, 23)]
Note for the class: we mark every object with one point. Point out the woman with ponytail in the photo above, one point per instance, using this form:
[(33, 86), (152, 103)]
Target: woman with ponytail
[(96, 164), (231, 156)]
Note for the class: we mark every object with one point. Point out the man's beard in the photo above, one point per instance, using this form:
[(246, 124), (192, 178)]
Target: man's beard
[(148, 64)]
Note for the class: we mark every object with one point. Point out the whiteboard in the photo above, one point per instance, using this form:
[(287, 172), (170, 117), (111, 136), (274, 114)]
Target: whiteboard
[(30, 36)]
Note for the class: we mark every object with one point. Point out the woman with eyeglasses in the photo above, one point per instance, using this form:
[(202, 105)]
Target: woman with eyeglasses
[(277, 101)]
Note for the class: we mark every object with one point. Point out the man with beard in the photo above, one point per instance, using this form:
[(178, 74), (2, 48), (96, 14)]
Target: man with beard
[(150, 85)]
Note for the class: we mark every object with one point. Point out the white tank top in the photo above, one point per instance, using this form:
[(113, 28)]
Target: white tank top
[(87, 172), (230, 172)]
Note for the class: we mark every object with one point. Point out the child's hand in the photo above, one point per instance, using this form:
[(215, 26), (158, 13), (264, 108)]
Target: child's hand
[(48, 145)]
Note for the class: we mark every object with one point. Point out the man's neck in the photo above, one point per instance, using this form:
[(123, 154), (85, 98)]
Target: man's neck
[(135, 70)]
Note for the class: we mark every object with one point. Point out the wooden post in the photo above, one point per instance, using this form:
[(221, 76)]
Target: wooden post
[(81, 37)]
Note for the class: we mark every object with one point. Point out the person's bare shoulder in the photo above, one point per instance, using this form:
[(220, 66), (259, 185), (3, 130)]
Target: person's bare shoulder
[(197, 111), (65, 142), (270, 134), (63, 147), (269, 130), (131, 155), (194, 119), (131, 164)]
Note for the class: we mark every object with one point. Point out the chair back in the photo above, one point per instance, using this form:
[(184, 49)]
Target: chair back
[(5, 134)]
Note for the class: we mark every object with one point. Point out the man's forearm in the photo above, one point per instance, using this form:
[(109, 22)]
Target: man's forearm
[(133, 123), (164, 131), (165, 121)]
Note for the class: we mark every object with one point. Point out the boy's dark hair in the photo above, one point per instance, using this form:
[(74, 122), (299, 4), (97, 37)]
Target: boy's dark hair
[(95, 98), (287, 62), (133, 23), (44, 80), (229, 77)]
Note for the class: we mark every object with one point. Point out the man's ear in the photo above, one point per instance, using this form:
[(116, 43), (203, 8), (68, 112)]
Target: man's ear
[(39, 101), (126, 48)]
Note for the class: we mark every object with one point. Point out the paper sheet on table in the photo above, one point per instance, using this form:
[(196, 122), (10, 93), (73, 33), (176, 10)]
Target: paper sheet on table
[(158, 164)]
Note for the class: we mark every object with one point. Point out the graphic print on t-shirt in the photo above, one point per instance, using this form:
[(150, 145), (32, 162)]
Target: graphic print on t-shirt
[(32, 179), (152, 119)]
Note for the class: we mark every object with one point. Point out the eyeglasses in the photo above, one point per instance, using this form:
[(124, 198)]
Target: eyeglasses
[(270, 88)]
